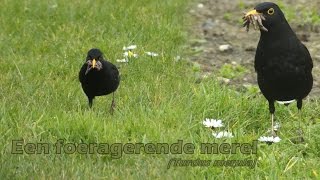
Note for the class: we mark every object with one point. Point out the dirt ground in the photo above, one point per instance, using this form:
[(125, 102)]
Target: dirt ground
[(217, 22)]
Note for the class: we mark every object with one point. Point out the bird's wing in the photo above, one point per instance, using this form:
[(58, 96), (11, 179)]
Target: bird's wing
[(115, 72), (301, 61), (82, 73), (259, 59), (292, 58), (307, 56), (112, 69)]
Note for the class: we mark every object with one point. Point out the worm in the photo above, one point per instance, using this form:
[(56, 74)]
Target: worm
[(255, 20)]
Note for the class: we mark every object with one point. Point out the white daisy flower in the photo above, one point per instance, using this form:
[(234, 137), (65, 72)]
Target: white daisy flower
[(217, 123), (129, 54), (129, 48), (212, 123), (222, 134), (122, 60), (207, 123), (269, 139), (152, 54)]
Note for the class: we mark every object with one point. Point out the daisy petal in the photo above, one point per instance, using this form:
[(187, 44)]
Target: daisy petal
[(222, 134), (213, 123), (129, 48), (153, 54), (269, 139), (122, 60)]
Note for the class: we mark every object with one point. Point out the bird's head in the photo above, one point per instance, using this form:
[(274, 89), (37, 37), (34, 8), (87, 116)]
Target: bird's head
[(93, 60), (271, 13)]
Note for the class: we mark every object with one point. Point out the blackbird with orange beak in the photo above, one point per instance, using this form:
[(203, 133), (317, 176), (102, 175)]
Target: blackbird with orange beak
[(283, 64), (98, 77)]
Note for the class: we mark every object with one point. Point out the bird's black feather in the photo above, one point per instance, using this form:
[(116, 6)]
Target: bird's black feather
[(283, 64), (98, 82)]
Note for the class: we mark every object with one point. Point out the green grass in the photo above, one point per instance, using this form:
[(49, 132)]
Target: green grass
[(232, 71), (43, 46), (296, 13), (301, 14)]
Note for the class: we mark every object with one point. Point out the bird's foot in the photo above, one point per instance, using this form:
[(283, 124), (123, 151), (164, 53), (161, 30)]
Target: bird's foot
[(90, 102), (273, 133), (276, 128)]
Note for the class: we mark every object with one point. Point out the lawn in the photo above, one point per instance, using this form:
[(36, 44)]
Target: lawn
[(160, 100)]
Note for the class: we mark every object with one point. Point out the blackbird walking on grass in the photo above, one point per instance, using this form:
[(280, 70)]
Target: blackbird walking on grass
[(98, 77), (283, 64)]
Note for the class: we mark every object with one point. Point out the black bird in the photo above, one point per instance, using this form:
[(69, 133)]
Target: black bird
[(98, 77), (283, 64)]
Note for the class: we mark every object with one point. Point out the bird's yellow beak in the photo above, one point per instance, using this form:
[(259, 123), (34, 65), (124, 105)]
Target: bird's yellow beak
[(252, 12), (94, 62)]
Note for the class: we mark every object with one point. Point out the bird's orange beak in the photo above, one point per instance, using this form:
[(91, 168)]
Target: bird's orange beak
[(94, 62), (252, 12)]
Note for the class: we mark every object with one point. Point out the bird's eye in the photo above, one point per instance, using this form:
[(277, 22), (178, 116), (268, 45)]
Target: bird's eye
[(271, 11)]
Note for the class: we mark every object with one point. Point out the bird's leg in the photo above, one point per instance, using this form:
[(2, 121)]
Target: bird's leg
[(272, 110), (299, 137), (113, 104), (299, 106), (300, 118), (273, 133), (90, 101), (300, 131)]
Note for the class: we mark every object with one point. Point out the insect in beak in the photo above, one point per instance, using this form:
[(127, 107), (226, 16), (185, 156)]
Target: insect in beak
[(255, 18)]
